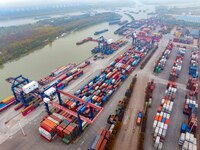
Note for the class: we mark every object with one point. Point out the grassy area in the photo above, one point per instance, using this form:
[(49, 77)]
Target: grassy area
[(20, 40)]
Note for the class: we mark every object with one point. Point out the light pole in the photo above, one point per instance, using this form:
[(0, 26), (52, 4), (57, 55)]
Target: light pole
[(21, 128)]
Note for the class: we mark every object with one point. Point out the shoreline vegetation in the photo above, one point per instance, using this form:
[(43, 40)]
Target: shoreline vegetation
[(18, 41)]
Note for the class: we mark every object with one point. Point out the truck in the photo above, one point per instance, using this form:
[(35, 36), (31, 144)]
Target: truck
[(139, 118)]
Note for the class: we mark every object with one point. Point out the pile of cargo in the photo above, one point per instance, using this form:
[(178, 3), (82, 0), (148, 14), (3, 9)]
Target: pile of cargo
[(56, 74), (86, 63), (184, 40), (161, 120), (62, 124), (29, 106), (32, 106), (192, 85), (190, 105), (188, 141), (100, 140), (160, 64), (68, 77), (110, 47), (188, 131), (128, 28), (176, 69), (193, 69), (103, 86), (157, 37), (7, 102), (187, 138), (149, 92)]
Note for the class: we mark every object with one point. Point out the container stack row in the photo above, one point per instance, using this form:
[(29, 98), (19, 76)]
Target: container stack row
[(68, 77), (103, 86), (100, 140), (161, 63), (161, 120), (60, 124), (177, 66), (7, 102), (193, 69), (55, 74), (188, 132)]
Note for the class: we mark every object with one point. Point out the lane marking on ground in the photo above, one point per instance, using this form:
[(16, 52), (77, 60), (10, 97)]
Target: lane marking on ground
[(125, 120), (82, 142)]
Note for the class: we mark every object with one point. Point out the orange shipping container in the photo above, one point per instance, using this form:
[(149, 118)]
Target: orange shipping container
[(103, 145), (99, 142)]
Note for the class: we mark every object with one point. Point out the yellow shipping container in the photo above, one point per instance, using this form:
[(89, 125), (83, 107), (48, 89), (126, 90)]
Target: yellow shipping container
[(7, 99)]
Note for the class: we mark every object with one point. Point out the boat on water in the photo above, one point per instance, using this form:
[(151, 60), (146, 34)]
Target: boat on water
[(85, 40), (123, 22), (100, 32), (112, 22)]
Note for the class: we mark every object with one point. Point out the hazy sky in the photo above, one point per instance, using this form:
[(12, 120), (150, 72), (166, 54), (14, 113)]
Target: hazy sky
[(30, 2), (7, 3)]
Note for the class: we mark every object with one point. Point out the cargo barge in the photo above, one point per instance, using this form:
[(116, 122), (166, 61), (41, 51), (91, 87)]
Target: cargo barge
[(56, 74), (86, 40), (100, 32), (6, 103), (114, 22), (123, 22)]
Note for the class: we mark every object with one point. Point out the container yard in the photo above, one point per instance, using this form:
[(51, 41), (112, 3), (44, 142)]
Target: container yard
[(140, 91)]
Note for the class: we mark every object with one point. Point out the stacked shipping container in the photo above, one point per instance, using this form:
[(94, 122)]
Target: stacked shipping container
[(187, 139), (160, 64)]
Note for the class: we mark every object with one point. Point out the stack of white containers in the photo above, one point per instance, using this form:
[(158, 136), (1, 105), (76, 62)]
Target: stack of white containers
[(161, 120), (188, 141)]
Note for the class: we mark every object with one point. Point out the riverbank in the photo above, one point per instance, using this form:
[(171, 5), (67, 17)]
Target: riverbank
[(35, 36)]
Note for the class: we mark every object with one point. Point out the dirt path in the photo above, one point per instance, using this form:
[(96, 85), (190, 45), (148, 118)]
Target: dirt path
[(129, 132)]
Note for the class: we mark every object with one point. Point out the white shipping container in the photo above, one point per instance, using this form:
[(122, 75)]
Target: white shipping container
[(155, 124), (44, 133), (187, 136), (190, 147), (160, 132), (74, 70), (164, 132), (73, 105), (157, 142), (156, 131), (160, 146), (185, 145), (194, 147), (191, 138), (181, 139), (111, 128)]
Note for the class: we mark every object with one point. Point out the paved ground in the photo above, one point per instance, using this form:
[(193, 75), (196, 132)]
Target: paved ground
[(177, 117), (128, 135)]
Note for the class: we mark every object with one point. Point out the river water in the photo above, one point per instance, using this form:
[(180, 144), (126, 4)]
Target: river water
[(62, 51)]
